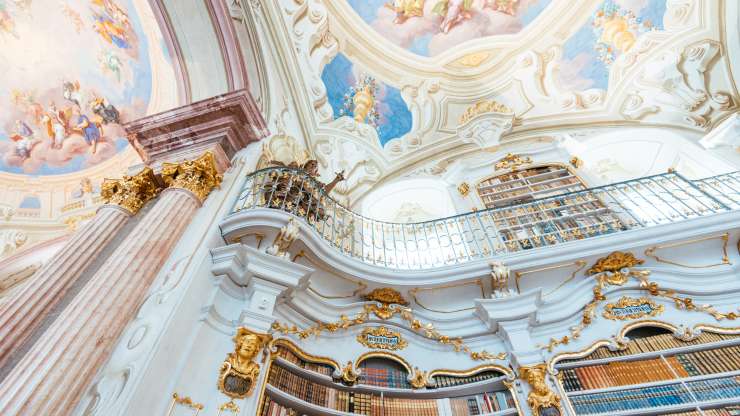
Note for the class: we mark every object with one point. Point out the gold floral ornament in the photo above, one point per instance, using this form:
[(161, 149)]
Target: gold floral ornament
[(542, 400), (512, 161), (482, 107), (612, 267), (239, 373), (183, 401), (131, 192), (427, 330), (198, 176), (386, 297), (419, 379), (229, 406)]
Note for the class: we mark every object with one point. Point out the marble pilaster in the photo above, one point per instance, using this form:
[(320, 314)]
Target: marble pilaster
[(52, 377)]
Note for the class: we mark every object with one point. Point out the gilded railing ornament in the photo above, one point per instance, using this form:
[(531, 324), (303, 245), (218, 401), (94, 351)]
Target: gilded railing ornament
[(284, 239), (131, 192), (239, 373), (542, 400), (198, 176), (482, 107), (512, 161)]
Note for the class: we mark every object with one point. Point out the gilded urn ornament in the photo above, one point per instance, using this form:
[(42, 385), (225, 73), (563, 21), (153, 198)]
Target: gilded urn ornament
[(239, 373)]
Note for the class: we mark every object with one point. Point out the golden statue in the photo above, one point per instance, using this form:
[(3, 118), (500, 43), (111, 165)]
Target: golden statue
[(542, 400), (405, 9), (239, 372)]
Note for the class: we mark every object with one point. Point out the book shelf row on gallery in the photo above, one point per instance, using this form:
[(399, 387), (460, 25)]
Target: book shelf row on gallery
[(380, 383), (544, 205), (658, 372)]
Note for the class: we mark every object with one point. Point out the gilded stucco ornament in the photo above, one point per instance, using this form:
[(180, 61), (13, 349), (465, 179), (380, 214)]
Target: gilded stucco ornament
[(613, 265), (482, 107), (131, 192), (512, 161), (284, 239), (239, 373), (628, 308), (542, 400), (349, 375), (419, 379), (198, 176), (386, 297), (382, 338)]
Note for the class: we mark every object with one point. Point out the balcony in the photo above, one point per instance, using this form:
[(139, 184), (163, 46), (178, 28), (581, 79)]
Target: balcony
[(487, 234)]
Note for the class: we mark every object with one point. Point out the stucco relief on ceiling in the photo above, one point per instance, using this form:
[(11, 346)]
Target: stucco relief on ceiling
[(73, 72)]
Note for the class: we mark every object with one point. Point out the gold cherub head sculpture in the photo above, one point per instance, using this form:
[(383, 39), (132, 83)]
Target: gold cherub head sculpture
[(239, 372)]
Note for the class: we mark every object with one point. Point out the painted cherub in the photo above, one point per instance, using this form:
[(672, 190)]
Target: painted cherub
[(406, 9), (453, 11)]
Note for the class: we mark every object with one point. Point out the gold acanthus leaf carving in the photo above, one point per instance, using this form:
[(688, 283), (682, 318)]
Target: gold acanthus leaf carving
[(198, 176), (419, 378), (386, 296), (482, 107), (349, 375), (131, 192), (614, 263), (541, 397)]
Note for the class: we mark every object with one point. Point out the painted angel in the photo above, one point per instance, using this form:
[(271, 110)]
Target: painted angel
[(23, 139), (110, 30), (453, 11), (405, 9), (504, 6), (71, 92)]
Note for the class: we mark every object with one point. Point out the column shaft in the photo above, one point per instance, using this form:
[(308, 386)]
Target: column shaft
[(24, 312), (51, 378)]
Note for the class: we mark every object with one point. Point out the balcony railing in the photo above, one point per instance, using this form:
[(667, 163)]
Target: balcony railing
[(633, 204)]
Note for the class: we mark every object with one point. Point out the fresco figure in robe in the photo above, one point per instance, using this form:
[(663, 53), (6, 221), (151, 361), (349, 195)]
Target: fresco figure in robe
[(91, 131), (23, 138), (56, 122)]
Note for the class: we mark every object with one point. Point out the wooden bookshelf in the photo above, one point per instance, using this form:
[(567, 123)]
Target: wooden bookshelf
[(297, 385), (542, 205), (656, 374)]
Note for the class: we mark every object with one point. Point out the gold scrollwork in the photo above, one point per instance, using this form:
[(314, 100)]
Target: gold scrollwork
[(427, 330), (580, 264), (650, 252), (540, 397), (349, 375), (289, 345), (184, 401), (512, 161), (413, 292), (418, 379), (482, 107), (628, 308), (613, 264), (239, 373), (382, 338), (229, 406), (464, 189)]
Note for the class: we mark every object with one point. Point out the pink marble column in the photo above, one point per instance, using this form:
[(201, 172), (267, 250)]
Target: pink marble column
[(21, 315), (53, 375)]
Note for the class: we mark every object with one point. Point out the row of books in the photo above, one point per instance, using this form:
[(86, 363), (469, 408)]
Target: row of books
[(659, 342), (347, 401), (481, 404), (450, 381), (620, 373), (631, 399), (651, 397), (270, 408), (288, 355), (727, 411), (384, 377), (538, 212)]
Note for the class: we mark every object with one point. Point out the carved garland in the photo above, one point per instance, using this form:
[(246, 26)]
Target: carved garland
[(615, 270), (386, 312)]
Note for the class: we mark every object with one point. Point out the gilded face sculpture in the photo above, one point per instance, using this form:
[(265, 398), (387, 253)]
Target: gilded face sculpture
[(248, 346)]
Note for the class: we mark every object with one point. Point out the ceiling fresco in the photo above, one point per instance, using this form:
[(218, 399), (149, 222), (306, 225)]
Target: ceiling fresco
[(431, 27), (614, 27), (73, 72), (357, 94)]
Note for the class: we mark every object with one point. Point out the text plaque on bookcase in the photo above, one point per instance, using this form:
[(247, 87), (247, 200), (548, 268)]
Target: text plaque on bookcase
[(631, 308), (381, 338)]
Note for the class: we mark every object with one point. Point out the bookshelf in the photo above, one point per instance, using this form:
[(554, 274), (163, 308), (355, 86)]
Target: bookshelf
[(530, 214), (295, 385), (656, 374)]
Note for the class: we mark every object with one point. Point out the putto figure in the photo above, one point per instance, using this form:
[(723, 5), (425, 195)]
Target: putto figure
[(239, 372), (406, 9)]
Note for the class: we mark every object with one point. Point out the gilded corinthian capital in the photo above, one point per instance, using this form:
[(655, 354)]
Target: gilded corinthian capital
[(131, 192), (198, 176)]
